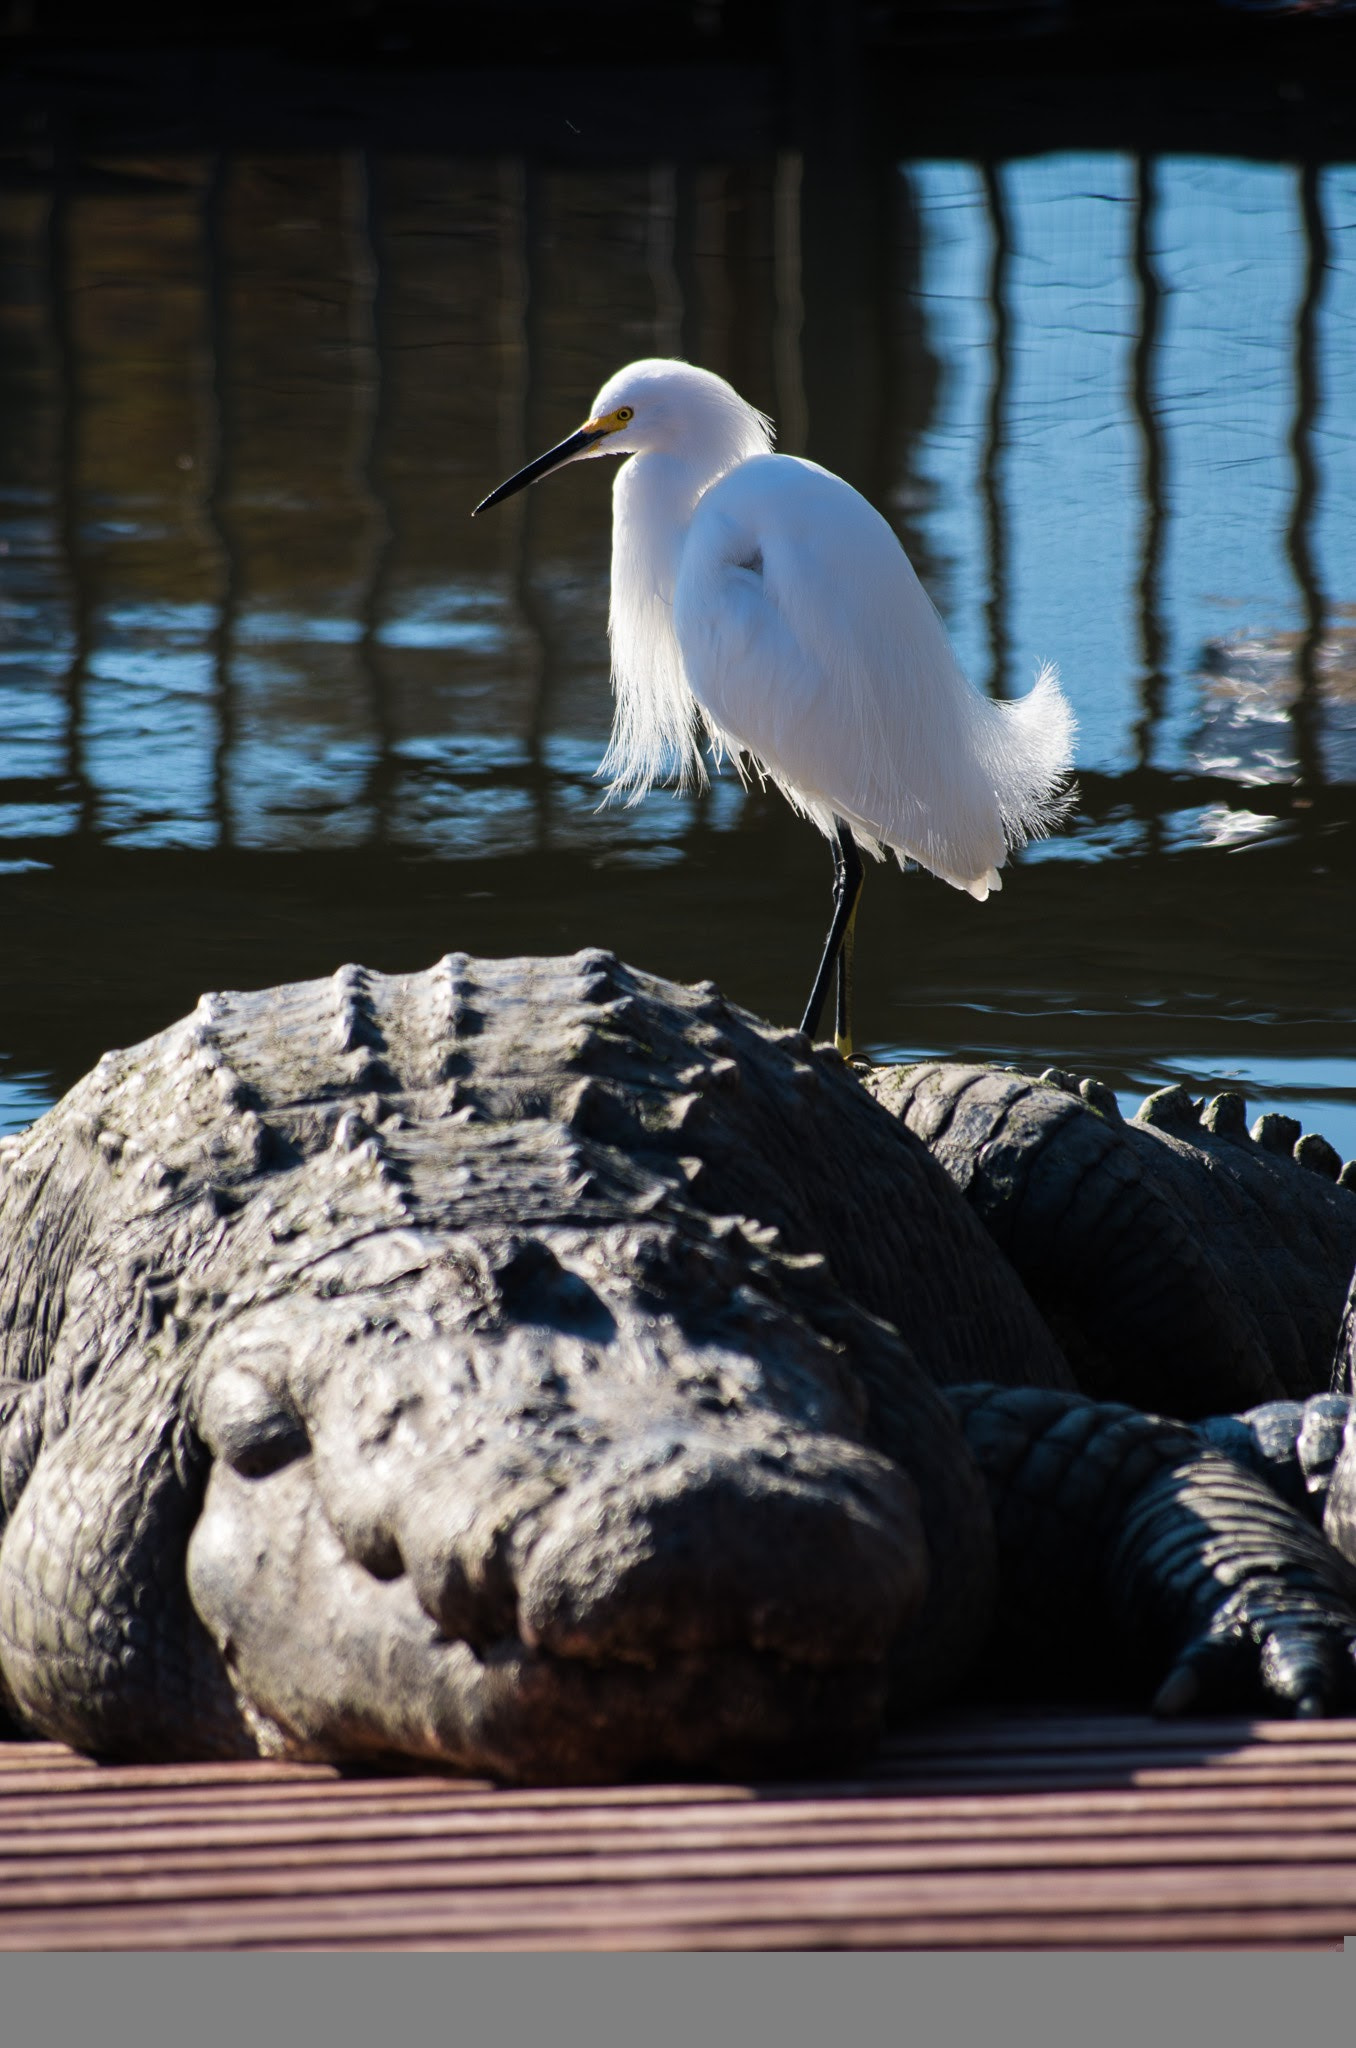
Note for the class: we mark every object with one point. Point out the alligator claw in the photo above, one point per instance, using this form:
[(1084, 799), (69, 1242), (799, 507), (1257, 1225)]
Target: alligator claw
[(1310, 1667), (1212, 1674), (1302, 1668)]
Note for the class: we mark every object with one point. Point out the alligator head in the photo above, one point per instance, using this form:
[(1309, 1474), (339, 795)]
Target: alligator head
[(555, 1505)]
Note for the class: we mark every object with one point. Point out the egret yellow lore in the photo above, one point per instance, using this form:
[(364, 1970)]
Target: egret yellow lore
[(759, 600)]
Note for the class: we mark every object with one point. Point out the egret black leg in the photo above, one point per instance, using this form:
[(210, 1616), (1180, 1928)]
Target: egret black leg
[(847, 887), (842, 1014)]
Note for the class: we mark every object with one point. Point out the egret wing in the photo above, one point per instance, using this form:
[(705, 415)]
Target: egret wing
[(809, 644)]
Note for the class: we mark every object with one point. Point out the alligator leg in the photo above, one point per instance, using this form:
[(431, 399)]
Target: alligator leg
[(1175, 1562)]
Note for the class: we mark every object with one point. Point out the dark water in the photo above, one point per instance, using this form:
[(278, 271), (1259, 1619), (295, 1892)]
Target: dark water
[(272, 702)]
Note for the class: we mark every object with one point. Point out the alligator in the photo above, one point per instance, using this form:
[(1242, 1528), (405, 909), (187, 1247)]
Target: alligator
[(541, 1369)]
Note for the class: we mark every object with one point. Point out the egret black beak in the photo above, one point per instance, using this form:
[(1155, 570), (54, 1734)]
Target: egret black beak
[(552, 459)]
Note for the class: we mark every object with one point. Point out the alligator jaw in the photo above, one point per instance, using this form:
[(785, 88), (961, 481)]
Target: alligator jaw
[(330, 1662)]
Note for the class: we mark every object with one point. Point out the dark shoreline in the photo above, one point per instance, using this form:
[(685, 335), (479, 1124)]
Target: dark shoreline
[(604, 83)]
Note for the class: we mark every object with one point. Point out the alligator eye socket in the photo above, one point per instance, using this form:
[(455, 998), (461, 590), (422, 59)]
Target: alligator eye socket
[(278, 1442), (243, 1423)]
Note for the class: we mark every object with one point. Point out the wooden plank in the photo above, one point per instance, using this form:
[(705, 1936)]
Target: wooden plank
[(510, 1833), (165, 1876), (39, 1851), (246, 1817), (991, 1830), (644, 1913)]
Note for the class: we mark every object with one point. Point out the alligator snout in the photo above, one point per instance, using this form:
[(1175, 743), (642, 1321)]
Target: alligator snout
[(813, 1553), (680, 1544)]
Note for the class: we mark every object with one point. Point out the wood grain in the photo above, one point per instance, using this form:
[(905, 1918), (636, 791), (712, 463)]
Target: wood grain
[(985, 1830)]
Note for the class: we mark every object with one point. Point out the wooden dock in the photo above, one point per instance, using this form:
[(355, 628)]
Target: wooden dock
[(982, 1831)]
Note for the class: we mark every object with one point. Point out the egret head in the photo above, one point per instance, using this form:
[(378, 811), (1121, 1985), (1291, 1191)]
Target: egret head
[(657, 406)]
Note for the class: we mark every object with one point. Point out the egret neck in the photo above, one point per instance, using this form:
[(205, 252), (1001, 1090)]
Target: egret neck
[(654, 733)]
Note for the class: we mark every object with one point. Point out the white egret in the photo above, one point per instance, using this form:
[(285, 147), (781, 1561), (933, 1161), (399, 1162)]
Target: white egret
[(761, 598)]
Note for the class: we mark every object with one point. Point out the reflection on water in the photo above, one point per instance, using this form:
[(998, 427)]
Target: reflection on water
[(1291, 1084), (272, 701), (1253, 690), (22, 1097)]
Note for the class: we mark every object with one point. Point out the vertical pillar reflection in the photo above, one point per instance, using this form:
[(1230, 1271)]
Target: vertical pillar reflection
[(789, 312), (520, 242), (685, 264), (844, 283), (1304, 710), (996, 609), (673, 279), (67, 494), (220, 440), (662, 250), (370, 371), (710, 311), (1153, 681)]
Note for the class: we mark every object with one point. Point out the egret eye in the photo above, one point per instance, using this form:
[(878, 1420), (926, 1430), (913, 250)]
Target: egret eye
[(624, 412)]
